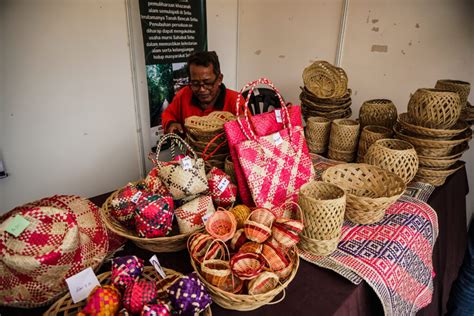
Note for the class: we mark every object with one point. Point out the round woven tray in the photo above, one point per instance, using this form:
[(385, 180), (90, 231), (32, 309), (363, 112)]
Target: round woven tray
[(437, 163), (65, 306), (209, 124), (160, 244), (405, 122), (334, 114), (456, 152), (325, 80), (245, 302), (436, 177), (430, 142), (324, 107), (329, 101), (381, 112), (395, 155), (370, 190)]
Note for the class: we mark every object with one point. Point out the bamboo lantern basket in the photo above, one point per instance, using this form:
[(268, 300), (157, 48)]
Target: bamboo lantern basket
[(344, 135), (434, 108), (66, 307), (407, 124), (368, 136), (172, 243), (462, 88), (323, 206), (395, 155), (380, 112), (317, 134), (370, 190)]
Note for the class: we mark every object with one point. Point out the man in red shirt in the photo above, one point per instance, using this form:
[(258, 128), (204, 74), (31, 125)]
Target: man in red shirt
[(204, 94)]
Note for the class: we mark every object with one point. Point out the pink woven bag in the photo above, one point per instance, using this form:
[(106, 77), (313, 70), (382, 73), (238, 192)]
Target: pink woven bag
[(277, 165), (262, 124)]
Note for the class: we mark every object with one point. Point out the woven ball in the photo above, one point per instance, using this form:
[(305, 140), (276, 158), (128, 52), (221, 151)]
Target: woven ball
[(139, 294), (222, 197), (154, 216), (188, 295), (103, 300), (159, 309), (154, 184), (126, 270), (241, 212), (123, 206)]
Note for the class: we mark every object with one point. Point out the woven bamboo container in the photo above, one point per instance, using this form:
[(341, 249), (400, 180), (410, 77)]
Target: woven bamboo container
[(368, 136), (339, 155), (380, 112), (317, 134), (462, 88), (395, 155), (66, 307), (323, 206), (325, 80), (370, 190), (437, 177), (434, 108), (407, 124), (344, 135)]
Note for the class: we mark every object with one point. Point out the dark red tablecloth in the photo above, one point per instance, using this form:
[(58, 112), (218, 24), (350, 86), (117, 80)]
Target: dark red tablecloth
[(323, 292)]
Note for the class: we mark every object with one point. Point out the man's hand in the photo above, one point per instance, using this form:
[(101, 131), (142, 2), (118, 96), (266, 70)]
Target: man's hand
[(175, 128)]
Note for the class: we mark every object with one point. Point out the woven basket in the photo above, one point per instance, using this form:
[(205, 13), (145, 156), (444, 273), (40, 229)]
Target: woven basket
[(216, 271), (317, 133), (201, 246), (437, 177), (368, 136), (221, 225), (323, 207), (247, 265), (308, 95), (346, 156), (243, 302), (318, 247), (204, 126), (443, 162), (159, 244), (407, 124), (344, 135), (258, 225), (434, 108), (395, 155), (462, 88), (325, 80), (370, 190), (424, 141), (264, 282), (66, 307), (380, 112)]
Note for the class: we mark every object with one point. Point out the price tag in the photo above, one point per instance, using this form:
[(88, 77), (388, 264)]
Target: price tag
[(256, 92), (186, 163), (205, 218), (17, 225), (278, 116), (223, 184), (80, 285), (156, 264), (277, 139), (136, 197)]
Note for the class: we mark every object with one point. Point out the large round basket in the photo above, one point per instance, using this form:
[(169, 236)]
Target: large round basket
[(434, 108), (245, 302), (160, 244), (395, 155), (462, 88), (368, 136), (407, 124), (380, 112), (370, 190), (65, 306)]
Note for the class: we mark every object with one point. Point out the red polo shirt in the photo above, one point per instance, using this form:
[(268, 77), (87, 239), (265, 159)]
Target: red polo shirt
[(185, 104)]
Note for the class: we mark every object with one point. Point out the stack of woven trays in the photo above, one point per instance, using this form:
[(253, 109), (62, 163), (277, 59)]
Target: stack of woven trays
[(468, 114), (205, 134), (433, 127), (325, 92)]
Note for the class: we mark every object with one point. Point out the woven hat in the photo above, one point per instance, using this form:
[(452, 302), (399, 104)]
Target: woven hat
[(65, 235)]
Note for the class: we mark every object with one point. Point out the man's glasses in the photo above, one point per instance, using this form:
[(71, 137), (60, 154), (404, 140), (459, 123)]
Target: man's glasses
[(208, 85)]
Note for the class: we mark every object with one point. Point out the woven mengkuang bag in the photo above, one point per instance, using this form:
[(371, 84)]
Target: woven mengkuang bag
[(379, 112), (65, 306), (368, 136), (324, 206), (395, 155), (370, 190), (434, 108), (171, 243), (344, 135), (462, 88), (317, 134), (183, 178)]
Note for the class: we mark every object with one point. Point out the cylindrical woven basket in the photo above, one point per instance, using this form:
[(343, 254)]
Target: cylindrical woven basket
[(407, 124), (434, 108), (395, 155), (323, 206), (344, 135), (318, 247), (66, 307), (317, 134), (339, 155), (368, 136), (462, 88), (380, 112), (370, 190), (159, 244)]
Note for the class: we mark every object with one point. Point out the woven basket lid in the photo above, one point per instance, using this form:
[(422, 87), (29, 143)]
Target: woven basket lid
[(65, 236)]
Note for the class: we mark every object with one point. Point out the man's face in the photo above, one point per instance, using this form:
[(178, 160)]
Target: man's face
[(204, 82)]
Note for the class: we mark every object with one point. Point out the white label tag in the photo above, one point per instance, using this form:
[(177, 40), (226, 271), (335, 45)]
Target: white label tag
[(136, 197), (278, 116), (205, 218), (256, 92), (186, 163), (277, 139), (156, 264), (223, 184), (17, 225), (80, 285)]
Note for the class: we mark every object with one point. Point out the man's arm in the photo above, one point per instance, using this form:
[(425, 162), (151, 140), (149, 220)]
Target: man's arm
[(171, 116)]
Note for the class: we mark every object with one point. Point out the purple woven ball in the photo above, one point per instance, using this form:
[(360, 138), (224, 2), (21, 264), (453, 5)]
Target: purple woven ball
[(126, 270), (159, 309), (188, 295)]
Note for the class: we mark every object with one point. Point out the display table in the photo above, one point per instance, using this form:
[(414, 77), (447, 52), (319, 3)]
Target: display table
[(321, 291)]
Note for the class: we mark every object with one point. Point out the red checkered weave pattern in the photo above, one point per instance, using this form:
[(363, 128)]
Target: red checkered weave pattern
[(226, 197), (189, 215)]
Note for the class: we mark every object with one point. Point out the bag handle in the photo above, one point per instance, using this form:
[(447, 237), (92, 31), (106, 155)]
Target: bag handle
[(174, 139), (252, 85), (216, 149)]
